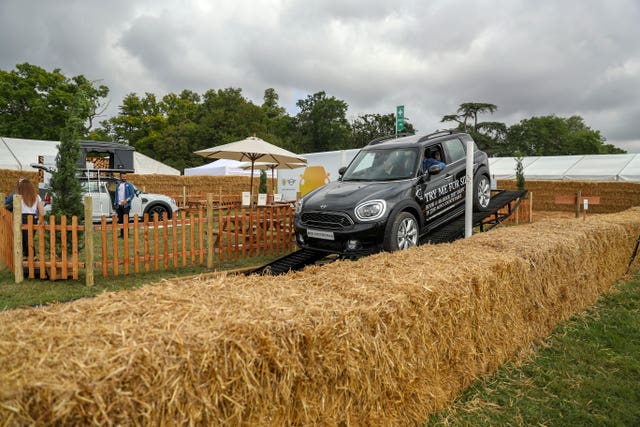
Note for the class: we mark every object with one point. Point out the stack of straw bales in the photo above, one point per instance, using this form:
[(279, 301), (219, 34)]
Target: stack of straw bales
[(9, 180), (196, 184), (385, 340), (615, 196)]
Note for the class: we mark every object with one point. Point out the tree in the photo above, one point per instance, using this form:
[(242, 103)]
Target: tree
[(488, 135), (64, 183), (367, 127), (262, 188), (519, 173), (321, 124), (36, 104), (556, 136), (469, 110)]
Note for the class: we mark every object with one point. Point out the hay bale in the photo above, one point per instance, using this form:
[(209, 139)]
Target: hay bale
[(385, 340), (9, 179), (615, 196)]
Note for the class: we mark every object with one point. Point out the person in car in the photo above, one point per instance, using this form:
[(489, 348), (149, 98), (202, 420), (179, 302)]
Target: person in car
[(124, 196), (434, 159)]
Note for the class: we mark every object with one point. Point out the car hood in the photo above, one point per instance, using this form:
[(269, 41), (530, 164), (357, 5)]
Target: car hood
[(343, 196)]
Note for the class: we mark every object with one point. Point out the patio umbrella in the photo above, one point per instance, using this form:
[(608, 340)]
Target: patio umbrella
[(252, 149), (273, 167)]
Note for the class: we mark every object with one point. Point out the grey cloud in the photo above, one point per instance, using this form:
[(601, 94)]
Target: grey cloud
[(547, 57)]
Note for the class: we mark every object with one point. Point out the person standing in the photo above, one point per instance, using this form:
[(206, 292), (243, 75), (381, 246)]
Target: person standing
[(31, 206), (124, 195)]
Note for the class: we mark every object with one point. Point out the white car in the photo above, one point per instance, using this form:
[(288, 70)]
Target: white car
[(102, 192)]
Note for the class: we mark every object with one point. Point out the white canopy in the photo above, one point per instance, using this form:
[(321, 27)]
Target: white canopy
[(222, 167), (592, 167), (18, 154)]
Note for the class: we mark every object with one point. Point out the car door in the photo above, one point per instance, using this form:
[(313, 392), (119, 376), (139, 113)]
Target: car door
[(101, 201), (435, 188), (455, 158)]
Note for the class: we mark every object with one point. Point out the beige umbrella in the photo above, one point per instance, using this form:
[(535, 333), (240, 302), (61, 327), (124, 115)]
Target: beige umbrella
[(252, 149), (273, 167)]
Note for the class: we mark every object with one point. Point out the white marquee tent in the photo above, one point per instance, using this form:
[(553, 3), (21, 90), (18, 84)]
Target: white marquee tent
[(222, 167), (18, 154), (592, 167)]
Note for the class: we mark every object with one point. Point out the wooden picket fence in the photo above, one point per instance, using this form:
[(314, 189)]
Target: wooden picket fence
[(61, 250)]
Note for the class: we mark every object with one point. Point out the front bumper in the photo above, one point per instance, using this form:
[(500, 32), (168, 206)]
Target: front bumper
[(357, 239)]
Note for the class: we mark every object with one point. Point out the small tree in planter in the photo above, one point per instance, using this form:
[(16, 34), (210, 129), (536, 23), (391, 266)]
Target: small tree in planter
[(64, 184), (262, 188), (520, 183)]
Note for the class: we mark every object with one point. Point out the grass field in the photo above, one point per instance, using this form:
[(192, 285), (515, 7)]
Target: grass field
[(587, 373)]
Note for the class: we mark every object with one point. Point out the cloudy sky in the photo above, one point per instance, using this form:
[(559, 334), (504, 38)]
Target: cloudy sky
[(530, 58)]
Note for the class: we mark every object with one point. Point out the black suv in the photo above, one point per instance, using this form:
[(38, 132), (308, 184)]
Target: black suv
[(384, 200)]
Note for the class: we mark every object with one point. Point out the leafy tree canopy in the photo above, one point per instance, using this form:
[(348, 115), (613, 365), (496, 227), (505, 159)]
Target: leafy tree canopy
[(36, 104), (321, 124), (556, 136)]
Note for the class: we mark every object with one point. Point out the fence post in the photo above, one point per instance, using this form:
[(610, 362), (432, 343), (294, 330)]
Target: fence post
[(17, 238), (210, 239), (530, 206), (184, 196), (578, 197), (88, 240)]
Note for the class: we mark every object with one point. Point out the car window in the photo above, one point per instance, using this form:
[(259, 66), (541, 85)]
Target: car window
[(382, 165), (454, 150), (89, 186)]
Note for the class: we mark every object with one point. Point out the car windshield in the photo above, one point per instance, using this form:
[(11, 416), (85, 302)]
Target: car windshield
[(382, 165)]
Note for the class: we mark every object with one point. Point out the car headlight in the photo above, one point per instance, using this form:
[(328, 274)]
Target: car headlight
[(298, 208), (371, 210)]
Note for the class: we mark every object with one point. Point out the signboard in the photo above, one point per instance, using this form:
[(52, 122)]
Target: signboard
[(400, 118)]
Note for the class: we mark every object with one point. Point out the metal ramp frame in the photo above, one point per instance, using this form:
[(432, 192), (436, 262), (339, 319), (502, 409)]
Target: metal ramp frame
[(503, 204)]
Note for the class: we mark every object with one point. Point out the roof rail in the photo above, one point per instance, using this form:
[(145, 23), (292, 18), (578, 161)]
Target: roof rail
[(439, 132), (388, 137)]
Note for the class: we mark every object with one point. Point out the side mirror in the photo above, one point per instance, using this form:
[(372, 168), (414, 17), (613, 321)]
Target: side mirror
[(342, 170), (434, 170), (138, 191)]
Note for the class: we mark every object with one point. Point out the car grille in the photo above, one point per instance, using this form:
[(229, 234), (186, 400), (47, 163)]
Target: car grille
[(331, 221)]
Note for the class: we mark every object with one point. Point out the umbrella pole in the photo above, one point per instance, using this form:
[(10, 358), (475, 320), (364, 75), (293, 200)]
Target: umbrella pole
[(251, 188), (273, 182)]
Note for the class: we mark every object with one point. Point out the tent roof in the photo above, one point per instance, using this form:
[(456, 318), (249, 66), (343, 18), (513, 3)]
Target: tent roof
[(18, 154), (592, 167), (224, 167)]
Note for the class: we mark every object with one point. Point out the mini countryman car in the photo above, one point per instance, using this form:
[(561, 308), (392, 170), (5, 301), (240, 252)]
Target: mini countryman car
[(392, 193)]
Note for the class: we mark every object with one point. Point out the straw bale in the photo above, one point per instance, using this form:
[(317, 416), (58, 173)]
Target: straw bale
[(384, 340), (9, 179), (615, 196), (195, 184)]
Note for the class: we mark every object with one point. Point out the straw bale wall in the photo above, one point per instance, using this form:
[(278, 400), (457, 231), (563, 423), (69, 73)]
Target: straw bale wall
[(615, 196), (382, 341), (163, 184), (196, 184), (9, 179)]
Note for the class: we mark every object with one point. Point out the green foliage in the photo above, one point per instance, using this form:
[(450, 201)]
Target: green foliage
[(469, 111), (556, 136), (64, 184), (519, 174), (262, 188), (36, 104), (321, 124), (537, 136), (368, 127)]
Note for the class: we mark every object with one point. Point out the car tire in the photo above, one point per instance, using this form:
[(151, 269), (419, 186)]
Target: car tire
[(401, 233), (161, 210), (481, 193)]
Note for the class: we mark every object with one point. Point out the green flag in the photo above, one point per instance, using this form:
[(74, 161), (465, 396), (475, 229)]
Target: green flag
[(400, 118)]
